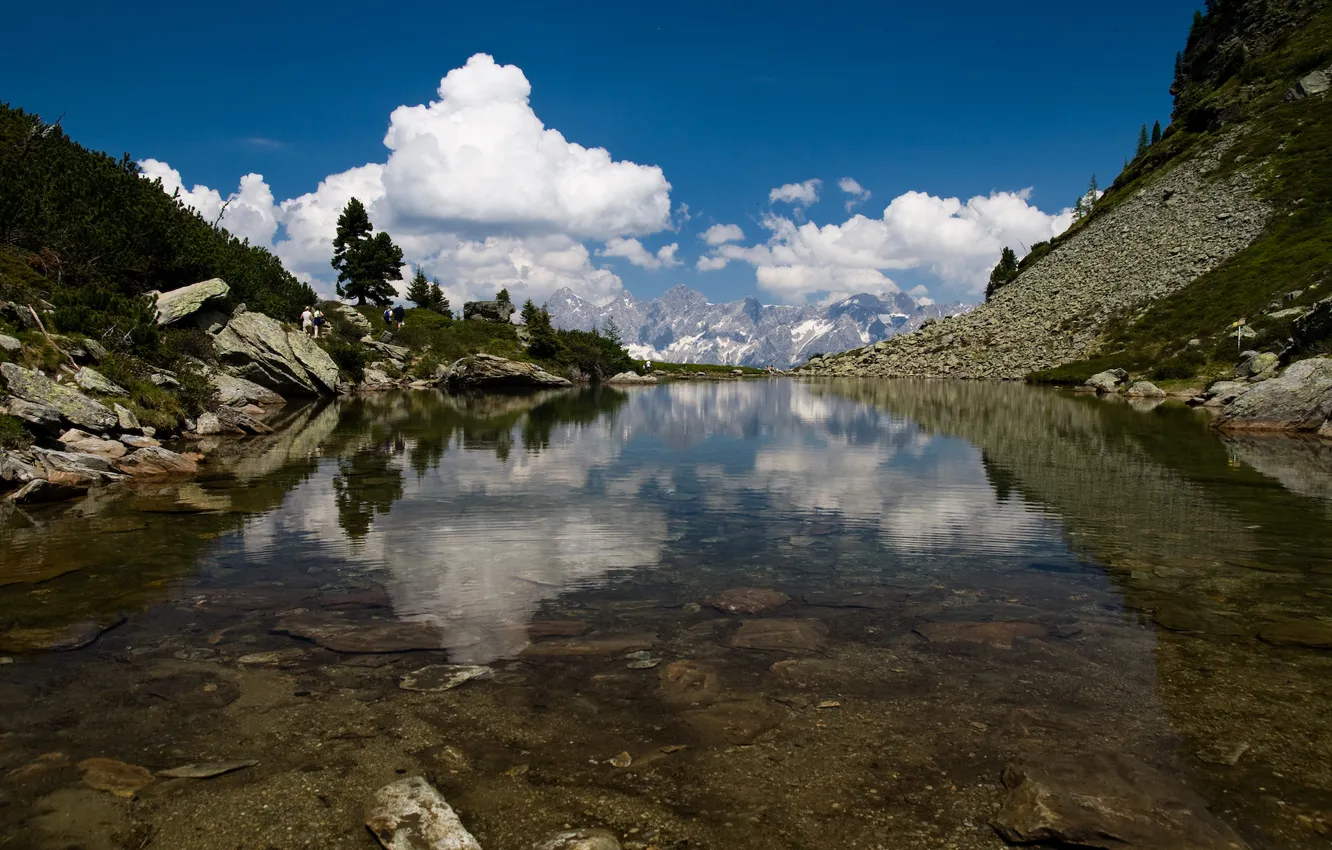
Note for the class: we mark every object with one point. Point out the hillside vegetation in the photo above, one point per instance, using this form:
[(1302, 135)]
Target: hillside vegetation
[(1234, 88)]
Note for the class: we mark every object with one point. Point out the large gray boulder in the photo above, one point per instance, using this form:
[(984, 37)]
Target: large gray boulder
[(1222, 393), (1300, 399), (631, 378), (353, 317), (1310, 84), (182, 303), (75, 407), (9, 345), (488, 311), (1258, 364), (239, 392), (1145, 389), (39, 418), (257, 348), (1107, 381), (486, 371), (92, 381), (1314, 326)]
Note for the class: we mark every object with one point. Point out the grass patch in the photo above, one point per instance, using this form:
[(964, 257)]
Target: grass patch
[(13, 435), (691, 368)]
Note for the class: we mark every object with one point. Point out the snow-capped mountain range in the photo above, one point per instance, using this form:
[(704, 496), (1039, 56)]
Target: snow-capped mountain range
[(682, 327)]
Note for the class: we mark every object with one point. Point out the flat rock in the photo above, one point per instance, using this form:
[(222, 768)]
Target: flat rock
[(747, 600), (411, 815), (42, 491), (1001, 634), (485, 371), (207, 769), (184, 302), (41, 418), (738, 723), (1105, 800), (233, 391), (580, 839), (631, 378), (194, 690), (362, 637), (1311, 633), (442, 677), (136, 441), (74, 406), (155, 460), (594, 644), (780, 635), (316, 362), (238, 420), (92, 381), (57, 638), (557, 628), (121, 779), (1300, 399), (75, 440), (689, 683)]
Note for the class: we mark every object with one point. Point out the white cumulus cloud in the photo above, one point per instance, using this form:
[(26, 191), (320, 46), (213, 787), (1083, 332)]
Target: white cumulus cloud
[(633, 251), (851, 187), (720, 234), (956, 241), (475, 188), (802, 194)]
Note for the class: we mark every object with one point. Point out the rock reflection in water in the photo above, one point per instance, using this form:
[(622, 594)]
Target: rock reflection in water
[(934, 581)]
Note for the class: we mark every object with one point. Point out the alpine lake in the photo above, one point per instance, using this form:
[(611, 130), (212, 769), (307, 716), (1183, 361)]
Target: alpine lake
[(742, 615)]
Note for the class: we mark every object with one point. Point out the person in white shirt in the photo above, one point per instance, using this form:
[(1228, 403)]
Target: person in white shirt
[(307, 322), (647, 367)]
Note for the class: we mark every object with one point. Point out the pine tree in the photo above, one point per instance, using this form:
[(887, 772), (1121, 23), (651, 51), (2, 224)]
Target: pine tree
[(611, 331), (529, 313), (1143, 141), (418, 291), (1156, 132), (366, 264), (503, 297), (1002, 273), (438, 302)]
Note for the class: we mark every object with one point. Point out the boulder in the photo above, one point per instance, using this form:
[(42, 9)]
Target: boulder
[(77, 468), (1299, 400), (747, 600), (631, 378), (233, 391), (411, 815), (92, 381), (207, 425), (373, 377), (1256, 363), (16, 470), (40, 491), (237, 420), (1145, 389), (257, 348), (780, 635), (1224, 392), (125, 418), (1310, 84), (485, 371), (75, 440), (39, 418), (1105, 800), (1107, 381), (155, 460), (75, 407), (9, 345), (353, 317), (182, 303), (488, 311), (1314, 326), (134, 441)]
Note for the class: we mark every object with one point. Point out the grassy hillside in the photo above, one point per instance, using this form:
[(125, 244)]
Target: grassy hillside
[(1241, 61)]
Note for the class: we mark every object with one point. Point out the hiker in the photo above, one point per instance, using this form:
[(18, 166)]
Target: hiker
[(398, 314), (318, 321), (647, 367), (388, 318), (307, 322)]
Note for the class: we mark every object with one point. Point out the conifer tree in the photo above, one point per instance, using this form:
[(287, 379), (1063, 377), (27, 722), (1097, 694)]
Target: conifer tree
[(503, 297), (438, 302), (611, 331), (366, 264), (1143, 141), (1002, 273), (529, 313), (1156, 132), (1179, 64), (418, 291)]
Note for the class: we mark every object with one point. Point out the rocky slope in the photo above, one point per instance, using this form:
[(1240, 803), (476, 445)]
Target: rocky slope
[(682, 326), (1152, 244)]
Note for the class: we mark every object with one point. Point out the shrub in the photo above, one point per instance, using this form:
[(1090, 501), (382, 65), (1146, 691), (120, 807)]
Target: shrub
[(350, 357), (189, 342), (12, 433)]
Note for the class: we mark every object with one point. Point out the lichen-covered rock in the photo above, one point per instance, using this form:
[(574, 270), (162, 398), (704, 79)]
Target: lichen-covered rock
[(485, 371), (39, 418), (75, 407), (9, 345), (184, 302), (1145, 389), (315, 360), (1300, 399), (233, 391), (411, 815), (155, 460), (92, 381), (1108, 381), (125, 418), (1258, 364), (353, 317), (237, 420), (257, 348)]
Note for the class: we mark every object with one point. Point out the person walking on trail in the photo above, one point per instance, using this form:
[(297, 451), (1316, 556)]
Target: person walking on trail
[(647, 367), (398, 315), (307, 322), (388, 318), (318, 321)]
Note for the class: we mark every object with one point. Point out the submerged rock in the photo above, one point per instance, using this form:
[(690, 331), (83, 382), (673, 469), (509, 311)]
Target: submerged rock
[(57, 638), (74, 406), (1311, 633), (1105, 800), (780, 635), (689, 683), (442, 677), (594, 644), (580, 839), (411, 815), (1300, 399), (184, 302), (747, 600), (207, 770), (992, 634), (485, 371), (737, 723), (367, 637), (121, 779)]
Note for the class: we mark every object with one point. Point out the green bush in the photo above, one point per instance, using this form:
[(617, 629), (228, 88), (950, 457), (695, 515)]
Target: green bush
[(12, 433), (350, 357), (189, 343), (118, 321)]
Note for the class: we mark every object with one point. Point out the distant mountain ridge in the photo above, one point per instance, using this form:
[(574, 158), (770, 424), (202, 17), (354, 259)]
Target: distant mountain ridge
[(683, 327)]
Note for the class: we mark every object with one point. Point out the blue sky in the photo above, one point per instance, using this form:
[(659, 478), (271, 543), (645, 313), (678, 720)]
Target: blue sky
[(952, 100)]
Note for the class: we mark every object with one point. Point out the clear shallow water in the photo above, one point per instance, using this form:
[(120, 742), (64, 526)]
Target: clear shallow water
[(975, 572)]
